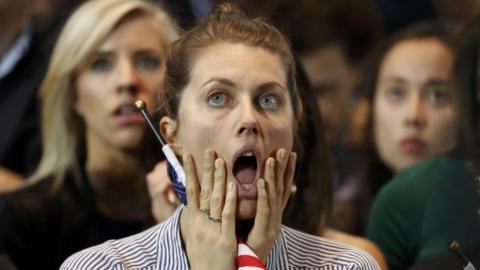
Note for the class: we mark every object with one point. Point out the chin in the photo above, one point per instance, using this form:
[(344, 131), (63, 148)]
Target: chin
[(246, 209), (130, 141)]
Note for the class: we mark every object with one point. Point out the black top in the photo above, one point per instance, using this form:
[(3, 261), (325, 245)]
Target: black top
[(20, 139), (39, 228)]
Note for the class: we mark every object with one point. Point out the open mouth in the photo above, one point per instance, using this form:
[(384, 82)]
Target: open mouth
[(126, 110), (245, 169), (127, 114)]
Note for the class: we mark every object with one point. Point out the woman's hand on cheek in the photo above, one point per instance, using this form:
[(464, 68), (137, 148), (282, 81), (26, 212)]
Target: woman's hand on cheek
[(209, 231), (273, 193)]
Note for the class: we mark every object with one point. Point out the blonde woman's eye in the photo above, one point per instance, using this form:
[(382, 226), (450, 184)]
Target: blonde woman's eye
[(146, 62), (268, 101), (101, 64), (217, 99)]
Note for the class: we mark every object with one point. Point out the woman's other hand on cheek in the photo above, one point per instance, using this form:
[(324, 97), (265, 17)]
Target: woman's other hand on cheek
[(273, 193)]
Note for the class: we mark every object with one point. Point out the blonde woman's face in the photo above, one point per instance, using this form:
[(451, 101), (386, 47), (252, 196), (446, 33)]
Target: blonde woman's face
[(128, 65), (413, 114), (236, 102)]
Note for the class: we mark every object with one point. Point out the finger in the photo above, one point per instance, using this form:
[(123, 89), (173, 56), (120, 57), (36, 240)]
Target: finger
[(207, 180), (262, 215), (229, 210), (270, 174), (218, 193), (282, 161), (192, 182), (289, 175)]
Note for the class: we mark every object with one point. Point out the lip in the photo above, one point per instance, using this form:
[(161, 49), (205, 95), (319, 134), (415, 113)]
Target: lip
[(125, 120), (413, 145), (248, 191)]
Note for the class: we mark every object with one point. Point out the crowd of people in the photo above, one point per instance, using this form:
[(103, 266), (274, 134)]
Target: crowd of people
[(315, 134)]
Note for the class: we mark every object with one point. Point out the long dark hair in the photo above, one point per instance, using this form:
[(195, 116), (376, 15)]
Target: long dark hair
[(467, 81), (311, 202)]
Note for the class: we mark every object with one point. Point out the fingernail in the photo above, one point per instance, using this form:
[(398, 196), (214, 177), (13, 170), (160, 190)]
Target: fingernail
[(294, 157), (272, 163), (218, 164), (206, 155), (262, 183), (282, 154)]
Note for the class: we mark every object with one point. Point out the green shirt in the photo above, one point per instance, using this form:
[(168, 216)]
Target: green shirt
[(422, 209)]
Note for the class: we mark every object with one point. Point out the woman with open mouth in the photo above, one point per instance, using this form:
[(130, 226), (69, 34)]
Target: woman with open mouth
[(231, 111)]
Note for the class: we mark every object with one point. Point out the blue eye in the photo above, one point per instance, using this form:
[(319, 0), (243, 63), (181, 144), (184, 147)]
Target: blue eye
[(268, 101), (395, 94), (101, 64), (147, 62), (217, 99)]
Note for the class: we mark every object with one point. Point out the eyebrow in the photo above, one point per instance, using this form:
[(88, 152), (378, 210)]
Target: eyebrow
[(231, 83), (394, 79), (139, 51), (220, 80)]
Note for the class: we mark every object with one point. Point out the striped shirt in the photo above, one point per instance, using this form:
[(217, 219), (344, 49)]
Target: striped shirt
[(160, 247)]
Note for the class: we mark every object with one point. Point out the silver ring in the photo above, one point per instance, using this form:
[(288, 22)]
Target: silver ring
[(206, 211), (218, 220)]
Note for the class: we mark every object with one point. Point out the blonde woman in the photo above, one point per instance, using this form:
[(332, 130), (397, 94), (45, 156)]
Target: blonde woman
[(90, 185)]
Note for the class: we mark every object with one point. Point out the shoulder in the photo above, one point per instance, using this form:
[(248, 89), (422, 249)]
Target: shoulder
[(414, 184), (139, 250), (305, 251), (358, 242), (436, 170)]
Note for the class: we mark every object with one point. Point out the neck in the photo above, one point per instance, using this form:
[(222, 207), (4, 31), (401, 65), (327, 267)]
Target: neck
[(117, 177)]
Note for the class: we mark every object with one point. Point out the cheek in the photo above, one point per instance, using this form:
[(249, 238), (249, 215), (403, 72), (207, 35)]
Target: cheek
[(384, 124), (281, 134), (88, 99), (443, 127), (151, 84), (197, 135)]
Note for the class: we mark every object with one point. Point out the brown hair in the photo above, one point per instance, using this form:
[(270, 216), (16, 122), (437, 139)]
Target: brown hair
[(224, 24)]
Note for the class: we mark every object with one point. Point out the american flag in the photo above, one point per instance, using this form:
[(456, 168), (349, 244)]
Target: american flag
[(247, 259)]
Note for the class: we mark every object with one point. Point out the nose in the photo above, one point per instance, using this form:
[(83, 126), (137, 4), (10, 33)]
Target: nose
[(415, 115), (127, 78), (248, 124)]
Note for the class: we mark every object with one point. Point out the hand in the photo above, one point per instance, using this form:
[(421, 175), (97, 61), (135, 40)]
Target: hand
[(163, 197), (208, 221), (273, 193)]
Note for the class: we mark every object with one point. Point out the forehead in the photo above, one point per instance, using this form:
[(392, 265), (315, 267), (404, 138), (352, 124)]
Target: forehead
[(238, 62), (420, 58), (134, 33)]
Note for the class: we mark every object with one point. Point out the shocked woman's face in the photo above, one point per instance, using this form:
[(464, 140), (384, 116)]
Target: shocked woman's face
[(238, 105), (128, 65)]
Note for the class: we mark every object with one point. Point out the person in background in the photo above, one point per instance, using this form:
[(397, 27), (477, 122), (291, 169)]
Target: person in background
[(424, 207), (408, 83), (90, 185)]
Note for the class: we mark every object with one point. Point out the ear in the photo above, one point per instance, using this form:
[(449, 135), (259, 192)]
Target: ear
[(168, 128)]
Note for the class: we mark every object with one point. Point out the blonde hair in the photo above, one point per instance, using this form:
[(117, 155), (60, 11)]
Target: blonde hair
[(63, 130)]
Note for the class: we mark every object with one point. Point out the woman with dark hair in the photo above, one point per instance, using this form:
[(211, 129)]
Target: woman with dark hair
[(232, 110), (423, 208)]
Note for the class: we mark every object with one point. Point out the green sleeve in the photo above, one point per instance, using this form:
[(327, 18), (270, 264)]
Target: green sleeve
[(390, 223)]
